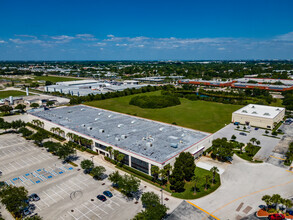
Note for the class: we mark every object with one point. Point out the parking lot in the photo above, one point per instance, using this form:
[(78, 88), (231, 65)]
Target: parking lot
[(267, 144), (65, 192)]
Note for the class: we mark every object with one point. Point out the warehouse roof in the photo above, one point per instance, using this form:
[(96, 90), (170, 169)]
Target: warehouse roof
[(154, 140), (260, 111)]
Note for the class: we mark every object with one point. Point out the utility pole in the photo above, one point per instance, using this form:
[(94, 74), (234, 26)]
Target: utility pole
[(162, 201)]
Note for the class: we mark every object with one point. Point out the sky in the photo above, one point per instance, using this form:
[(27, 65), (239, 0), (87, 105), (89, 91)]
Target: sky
[(146, 29)]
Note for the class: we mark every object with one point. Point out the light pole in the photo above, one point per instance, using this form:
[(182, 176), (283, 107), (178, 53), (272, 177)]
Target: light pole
[(162, 196), (92, 158)]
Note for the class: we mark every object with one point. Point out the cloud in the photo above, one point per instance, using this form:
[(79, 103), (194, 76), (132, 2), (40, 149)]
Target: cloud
[(285, 37), (99, 44), (25, 35), (2, 42), (19, 41), (62, 37)]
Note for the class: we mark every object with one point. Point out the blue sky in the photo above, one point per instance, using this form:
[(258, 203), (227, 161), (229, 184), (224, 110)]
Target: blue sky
[(145, 30)]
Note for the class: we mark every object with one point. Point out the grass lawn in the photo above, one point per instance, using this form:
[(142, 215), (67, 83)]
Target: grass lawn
[(6, 94), (55, 79), (189, 186), (199, 115), (247, 157)]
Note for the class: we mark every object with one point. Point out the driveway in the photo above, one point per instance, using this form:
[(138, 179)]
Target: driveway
[(243, 185), (267, 144)]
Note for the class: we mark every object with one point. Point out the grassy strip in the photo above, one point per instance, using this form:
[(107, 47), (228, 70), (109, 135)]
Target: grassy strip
[(7, 93), (50, 134), (270, 136), (73, 164), (241, 130), (244, 156)]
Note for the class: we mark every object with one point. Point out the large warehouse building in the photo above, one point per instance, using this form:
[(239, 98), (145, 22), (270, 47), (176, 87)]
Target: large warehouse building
[(259, 115), (143, 142)]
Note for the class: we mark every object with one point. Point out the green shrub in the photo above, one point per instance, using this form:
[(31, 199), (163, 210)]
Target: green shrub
[(144, 175), (50, 134), (154, 101)]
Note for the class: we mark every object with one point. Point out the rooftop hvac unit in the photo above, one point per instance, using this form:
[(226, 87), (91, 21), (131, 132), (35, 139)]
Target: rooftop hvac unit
[(90, 128), (161, 129), (109, 116), (132, 122), (96, 119), (99, 113), (120, 125), (117, 138), (174, 145), (123, 136), (83, 125), (149, 144), (101, 131), (82, 109)]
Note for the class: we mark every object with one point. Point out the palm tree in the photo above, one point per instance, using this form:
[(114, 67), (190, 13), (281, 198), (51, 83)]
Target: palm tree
[(155, 170), (109, 149), (163, 174), (233, 138), (288, 203), (168, 169), (267, 199), (116, 152), (120, 157), (53, 130), (276, 199), (214, 170), (207, 177), (253, 140), (241, 145), (70, 136), (62, 133), (195, 179)]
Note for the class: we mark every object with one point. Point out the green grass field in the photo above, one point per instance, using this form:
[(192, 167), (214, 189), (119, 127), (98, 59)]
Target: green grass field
[(6, 94), (55, 79), (199, 115)]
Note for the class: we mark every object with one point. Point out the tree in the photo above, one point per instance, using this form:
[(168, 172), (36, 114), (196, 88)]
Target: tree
[(257, 142), (109, 149), (267, 199), (177, 180), (34, 105), (115, 178), (266, 131), (168, 169), (98, 171), (39, 137), (50, 103), (20, 107), (276, 199), (5, 109), (14, 198), (17, 124), (185, 162), (163, 175), (253, 140), (87, 165), (207, 178), (64, 151), (155, 170), (116, 152), (233, 137), (129, 184), (214, 170), (35, 217), (288, 203), (149, 199), (195, 179), (120, 157)]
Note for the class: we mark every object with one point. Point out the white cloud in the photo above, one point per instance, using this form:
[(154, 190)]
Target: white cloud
[(285, 37), (99, 44), (25, 35), (2, 42), (62, 37)]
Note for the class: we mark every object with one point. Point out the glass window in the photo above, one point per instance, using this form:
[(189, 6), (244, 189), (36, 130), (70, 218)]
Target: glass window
[(140, 165)]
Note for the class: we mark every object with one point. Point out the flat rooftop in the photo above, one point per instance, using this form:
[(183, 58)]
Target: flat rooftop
[(150, 139), (260, 111)]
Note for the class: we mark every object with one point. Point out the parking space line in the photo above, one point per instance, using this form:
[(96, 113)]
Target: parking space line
[(43, 200), (23, 181), (277, 157), (72, 215), (57, 194), (37, 206), (90, 210), (98, 207), (107, 205), (81, 182), (76, 185), (114, 202), (68, 187), (49, 196), (82, 214), (63, 190)]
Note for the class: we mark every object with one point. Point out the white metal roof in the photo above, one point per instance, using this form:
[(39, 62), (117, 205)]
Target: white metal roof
[(260, 111)]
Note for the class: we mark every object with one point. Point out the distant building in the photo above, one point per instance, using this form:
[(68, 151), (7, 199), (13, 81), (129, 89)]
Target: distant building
[(206, 82), (259, 116)]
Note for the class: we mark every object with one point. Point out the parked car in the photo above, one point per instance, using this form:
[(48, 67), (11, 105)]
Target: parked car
[(256, 128), (26, 211), (276, 217), (34, 197), (236, 123), (108, 194), (242, 133), (102, 198)]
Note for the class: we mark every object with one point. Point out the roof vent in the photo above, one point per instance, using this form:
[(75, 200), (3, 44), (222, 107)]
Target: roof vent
[(268, 114), (254, 112), (277, 109), (149, 144), (96, 119), (90, 128), (82, 109), (132, 122), (253, 106), (174, 145), (83, 125), (120, 125), (99, 113), (101, 130), (161, 129), (244, 111), (123, 136), (109, 116), (117, 138)]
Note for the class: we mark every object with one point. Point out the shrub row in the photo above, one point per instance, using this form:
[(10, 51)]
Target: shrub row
[(82, 148), (155, 101), (57, 137)]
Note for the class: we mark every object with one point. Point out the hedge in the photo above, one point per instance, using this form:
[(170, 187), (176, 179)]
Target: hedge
[(57, 137)]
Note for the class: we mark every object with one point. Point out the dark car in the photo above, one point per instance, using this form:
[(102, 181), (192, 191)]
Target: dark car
[(242, 133), (102, 198), (276, 217), (256, 128), (26, 211), (108, 194), (34, 197)]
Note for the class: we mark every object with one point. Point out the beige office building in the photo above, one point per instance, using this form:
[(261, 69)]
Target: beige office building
[(259, 116)]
